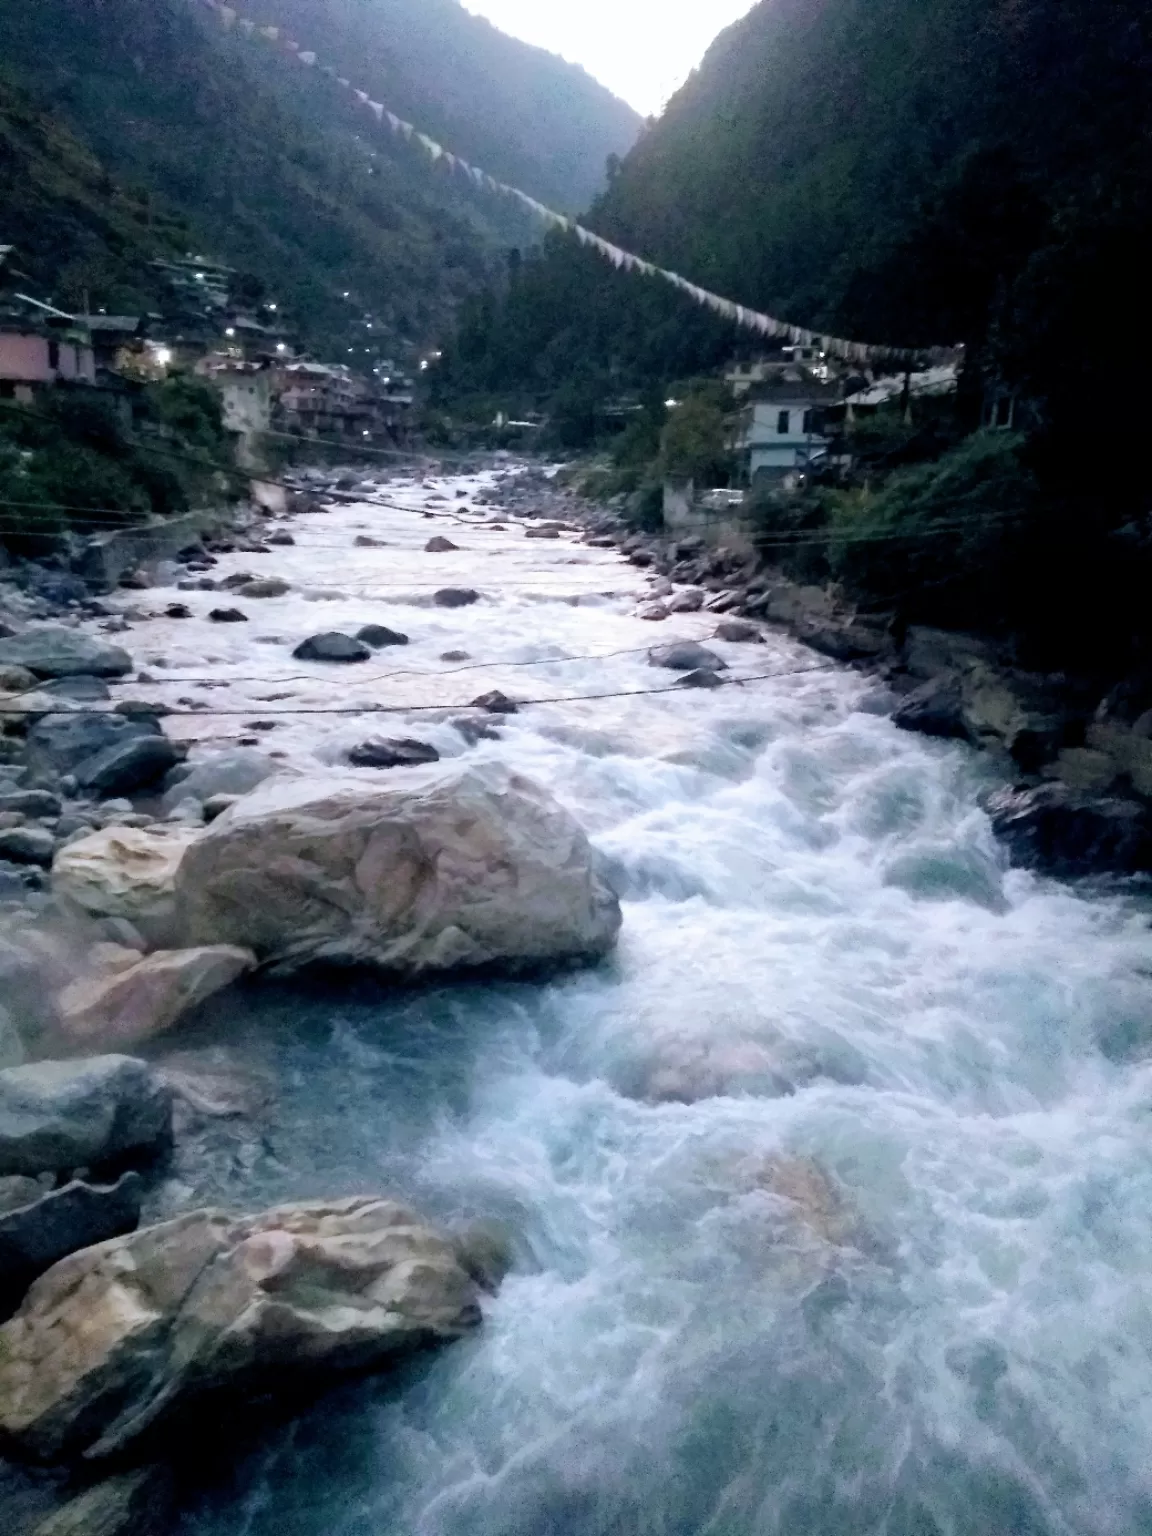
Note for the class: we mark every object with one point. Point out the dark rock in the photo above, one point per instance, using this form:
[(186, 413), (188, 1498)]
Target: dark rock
[(474, 728), (685, 656), (934, 709), (65, 743), (1065, 832), (127, 767), (61, 1115), (137, 1503), (642, 557), (142, 709), (738, 630), (81, 689), (377, 635), (280, 536), (27, 845), (455, 597), (35, 1236), (439, 546), (843, 641), (133, 581), (64, 653), (228, 616), (701, 677), (31, 802), (177, 611), (541, 533), (237, 579), (332, 646), (455, 656), (366, 541), (400, 753), (265, 586), (496, 703)]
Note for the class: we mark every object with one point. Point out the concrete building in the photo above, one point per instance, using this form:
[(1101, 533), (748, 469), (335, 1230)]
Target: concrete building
[(32, 358), (783, 429)]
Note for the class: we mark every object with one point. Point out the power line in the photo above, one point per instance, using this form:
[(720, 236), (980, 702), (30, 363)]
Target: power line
[(404, 709)]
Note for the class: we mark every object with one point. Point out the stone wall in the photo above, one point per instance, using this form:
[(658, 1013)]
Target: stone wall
[(686, 512)]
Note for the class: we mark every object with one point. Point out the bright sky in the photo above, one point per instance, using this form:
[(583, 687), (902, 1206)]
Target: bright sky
[(641, 49)]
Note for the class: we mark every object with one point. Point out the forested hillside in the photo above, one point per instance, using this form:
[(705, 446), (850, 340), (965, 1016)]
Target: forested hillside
[(228, 148), (969, 171), (965, 171), (528, 117)]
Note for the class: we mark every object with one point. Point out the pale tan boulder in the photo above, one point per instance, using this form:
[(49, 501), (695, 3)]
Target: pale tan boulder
[(116, 1338), (126, 872), (436, 868), (137, 999)]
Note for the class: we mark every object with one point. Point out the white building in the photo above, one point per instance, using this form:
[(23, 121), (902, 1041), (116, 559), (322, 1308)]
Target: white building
[(783, 428)]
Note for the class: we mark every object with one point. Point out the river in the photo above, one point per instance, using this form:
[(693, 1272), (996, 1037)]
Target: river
[(827, 972)]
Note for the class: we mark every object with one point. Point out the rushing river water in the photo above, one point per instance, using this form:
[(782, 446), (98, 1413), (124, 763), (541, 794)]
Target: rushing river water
[(826, 964)]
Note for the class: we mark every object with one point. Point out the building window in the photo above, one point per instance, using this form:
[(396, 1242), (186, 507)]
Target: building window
[(809, 423), (782, 419), (53, 355)]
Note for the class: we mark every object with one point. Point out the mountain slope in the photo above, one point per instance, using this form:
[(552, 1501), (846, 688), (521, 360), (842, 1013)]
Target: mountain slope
[(524, 114), (266, 164)]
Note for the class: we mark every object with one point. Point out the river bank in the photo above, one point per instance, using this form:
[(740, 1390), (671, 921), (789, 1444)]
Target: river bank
[(801, 1185)]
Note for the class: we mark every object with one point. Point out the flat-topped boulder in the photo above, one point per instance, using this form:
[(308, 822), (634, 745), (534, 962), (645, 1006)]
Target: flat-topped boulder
[(437, 868), (332, 646), (58, 652), (123, 1337), (686, 656)]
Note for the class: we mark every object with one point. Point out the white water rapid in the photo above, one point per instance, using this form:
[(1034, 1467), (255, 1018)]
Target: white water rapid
[(826, 964)]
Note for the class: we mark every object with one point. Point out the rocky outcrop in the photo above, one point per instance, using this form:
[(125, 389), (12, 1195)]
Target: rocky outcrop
[(147, 997), (69, 743), (1067, 832), (116, 1340), (394, 753), (436, 869), (125, 872), (59, 1115), (379, 635), (52, 652)]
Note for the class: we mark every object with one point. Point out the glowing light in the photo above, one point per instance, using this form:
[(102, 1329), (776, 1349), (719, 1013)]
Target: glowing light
[(162, 355), (230, 331), (671, 404), (280, 347)]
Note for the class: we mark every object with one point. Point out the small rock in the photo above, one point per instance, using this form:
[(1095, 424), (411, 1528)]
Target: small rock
[(280, 536), (455, 597), (177, 611), (31, 802), (496, 703), (454, 656), (366, 541), (737, 631), (401, 753), (237, 579), (268, 586), (332, 646), (216, 805), (474, 728), (701, 677), (653, 611), (17, 679), (228, 616), (686, 656), (27, 845), (123, 769), (142, 709), (934, 709), (690, 601), (439, 546), (377, 636), (541, 533)]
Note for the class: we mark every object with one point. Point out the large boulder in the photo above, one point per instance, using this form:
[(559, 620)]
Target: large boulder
[(934, 709), (444, 867), (232, 772), (116, 1339), (136, 1503), (148, 997), (125, 872), (72, 743), (60, 1115), (53, 652), (123, 769), (40, 1231)]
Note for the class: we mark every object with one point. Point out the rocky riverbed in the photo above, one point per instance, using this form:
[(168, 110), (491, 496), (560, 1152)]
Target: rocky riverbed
[(418, 889)]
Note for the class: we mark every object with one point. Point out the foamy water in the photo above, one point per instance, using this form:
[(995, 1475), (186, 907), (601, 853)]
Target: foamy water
[(825, 957)]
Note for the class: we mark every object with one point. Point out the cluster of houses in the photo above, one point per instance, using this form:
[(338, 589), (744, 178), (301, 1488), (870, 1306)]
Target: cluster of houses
[(268, 389)]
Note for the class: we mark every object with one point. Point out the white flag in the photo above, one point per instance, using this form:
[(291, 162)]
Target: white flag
[(271, 33), (247, 26), (307, 57), (378, 108)]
